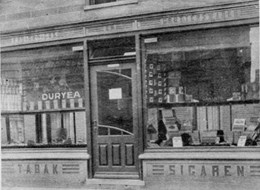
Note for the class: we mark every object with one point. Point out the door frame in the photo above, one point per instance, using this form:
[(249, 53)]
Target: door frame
[(137, 59)]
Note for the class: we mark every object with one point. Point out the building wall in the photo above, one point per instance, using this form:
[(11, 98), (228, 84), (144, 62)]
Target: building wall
[(16, 15)]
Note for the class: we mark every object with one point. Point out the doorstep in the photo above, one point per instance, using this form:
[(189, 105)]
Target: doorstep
[(116, 182), (117, 175)]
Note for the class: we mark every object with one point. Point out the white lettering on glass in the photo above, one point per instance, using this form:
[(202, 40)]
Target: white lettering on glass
[(60, 95)]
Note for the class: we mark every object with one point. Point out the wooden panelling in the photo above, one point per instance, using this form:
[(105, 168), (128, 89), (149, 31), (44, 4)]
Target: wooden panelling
[(103, 154), (116, 154), (129, 150)]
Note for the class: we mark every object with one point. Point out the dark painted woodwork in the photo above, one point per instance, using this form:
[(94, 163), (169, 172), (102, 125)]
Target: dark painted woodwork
[(113, 151)]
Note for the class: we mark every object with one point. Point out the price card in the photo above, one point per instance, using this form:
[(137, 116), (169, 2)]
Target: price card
[(177, 142), (241, 141)]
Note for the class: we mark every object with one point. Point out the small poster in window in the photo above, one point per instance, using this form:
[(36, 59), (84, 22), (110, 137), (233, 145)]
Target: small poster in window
[(115, 93)]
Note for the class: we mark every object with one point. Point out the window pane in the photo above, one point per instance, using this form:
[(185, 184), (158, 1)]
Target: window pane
[(103, 1), (114, 88), (195, 82), (36, 85), (112, 48)]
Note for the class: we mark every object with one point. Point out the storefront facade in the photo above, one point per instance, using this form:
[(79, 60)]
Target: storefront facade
[(151, 94)]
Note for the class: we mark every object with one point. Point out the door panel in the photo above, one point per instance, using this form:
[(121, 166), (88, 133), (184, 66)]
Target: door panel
[(114, 116)]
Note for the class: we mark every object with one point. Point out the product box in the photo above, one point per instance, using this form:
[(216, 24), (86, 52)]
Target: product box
[(229, 137), (195, 136), (239, 125), (212, 136), (236, 135)]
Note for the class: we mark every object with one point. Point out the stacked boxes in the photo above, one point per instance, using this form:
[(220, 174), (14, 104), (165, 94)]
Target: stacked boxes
[(176, 95), (212, 137), (156, 80), (11, 95), (175, 91)]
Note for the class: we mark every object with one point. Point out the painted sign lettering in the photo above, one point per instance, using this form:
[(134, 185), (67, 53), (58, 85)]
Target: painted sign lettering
[(60, 95), (38, 169), (203, 170), (48, 169), (35, 38)]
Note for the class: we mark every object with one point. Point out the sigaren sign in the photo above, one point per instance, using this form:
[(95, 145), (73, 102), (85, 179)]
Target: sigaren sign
[(201, 170)]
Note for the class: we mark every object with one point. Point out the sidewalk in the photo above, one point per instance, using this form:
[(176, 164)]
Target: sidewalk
[(93, 184)]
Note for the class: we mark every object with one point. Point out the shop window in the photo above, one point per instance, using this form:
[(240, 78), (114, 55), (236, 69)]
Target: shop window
[(42, 97), (200, 84)]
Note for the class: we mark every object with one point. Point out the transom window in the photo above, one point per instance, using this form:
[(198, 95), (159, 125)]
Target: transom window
[(95, 2)]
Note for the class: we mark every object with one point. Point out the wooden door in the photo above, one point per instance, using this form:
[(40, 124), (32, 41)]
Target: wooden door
[(114, 120)]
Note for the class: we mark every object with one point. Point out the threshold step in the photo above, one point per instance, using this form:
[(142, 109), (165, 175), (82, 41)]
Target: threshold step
[(128, 182), (116, 175)]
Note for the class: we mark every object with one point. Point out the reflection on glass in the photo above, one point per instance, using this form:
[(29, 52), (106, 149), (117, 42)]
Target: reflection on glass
[(114, 89), (199, 82), (201, 75), (36, 84), (43, 128)]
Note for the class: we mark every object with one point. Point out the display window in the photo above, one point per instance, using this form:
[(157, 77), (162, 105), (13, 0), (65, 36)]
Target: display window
[(42, 97), (202, 87)]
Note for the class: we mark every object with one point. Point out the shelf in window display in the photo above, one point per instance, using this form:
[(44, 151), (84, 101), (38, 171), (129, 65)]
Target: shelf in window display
[(202, 103), (42, 111), (52, 104)]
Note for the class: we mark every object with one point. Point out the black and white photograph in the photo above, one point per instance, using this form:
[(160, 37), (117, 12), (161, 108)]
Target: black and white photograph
[(130, 94)]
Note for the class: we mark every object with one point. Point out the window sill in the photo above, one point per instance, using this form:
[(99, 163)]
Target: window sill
[(79, 153), (112, 4), (22, 146), (212, 153)]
